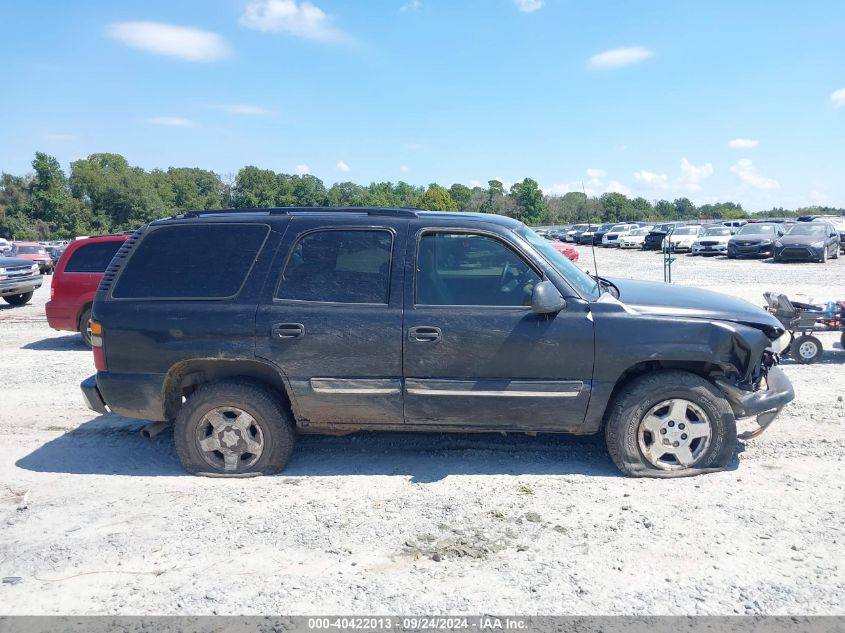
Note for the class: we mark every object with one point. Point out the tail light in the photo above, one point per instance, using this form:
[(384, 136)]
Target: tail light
[(97, 345)]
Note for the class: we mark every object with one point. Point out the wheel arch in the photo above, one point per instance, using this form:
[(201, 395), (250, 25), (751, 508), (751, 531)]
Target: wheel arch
[(185, 376)]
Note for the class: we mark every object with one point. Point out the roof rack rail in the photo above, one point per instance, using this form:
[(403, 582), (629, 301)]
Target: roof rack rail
[(376, 211)]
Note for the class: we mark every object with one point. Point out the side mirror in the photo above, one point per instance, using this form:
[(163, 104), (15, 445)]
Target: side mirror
[(546, 299)]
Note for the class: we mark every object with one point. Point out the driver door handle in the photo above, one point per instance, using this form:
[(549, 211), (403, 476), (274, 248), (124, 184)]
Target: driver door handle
[(288, 330), (425, 334)]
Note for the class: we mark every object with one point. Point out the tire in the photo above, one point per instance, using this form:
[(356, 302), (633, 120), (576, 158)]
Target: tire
[(806, 349), (84, 326), (842, 340), (823, 256), (18, 300), (731, 256), (269, 424), (643, 399)]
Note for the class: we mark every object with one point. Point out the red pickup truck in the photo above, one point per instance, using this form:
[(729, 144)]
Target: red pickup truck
[(75, 280)]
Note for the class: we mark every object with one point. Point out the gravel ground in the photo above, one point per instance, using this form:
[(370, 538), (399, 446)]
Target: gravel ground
[(415, 523)]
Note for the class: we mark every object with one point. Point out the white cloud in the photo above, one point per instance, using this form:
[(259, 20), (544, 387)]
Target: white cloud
[(528, 6), (411, 5), (619, 57), (692, 175), (194, 45), (618, 187), (651, 179), (819, 197), (246, 109), (743, 143), (596, 173), (748, 174), (404, 168), (838, 98), (341, 166), (301, 19), (474, 183), (172, 121), (302, 169)]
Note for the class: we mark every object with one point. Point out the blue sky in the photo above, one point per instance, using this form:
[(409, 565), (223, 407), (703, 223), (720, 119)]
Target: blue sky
[(643, 97)]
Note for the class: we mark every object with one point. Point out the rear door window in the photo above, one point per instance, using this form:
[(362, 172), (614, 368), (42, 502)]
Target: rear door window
[(201, 261), (339, 266), (92, 258)]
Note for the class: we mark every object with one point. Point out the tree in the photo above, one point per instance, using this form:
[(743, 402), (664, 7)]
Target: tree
[(615, 207), (684, 209), (436, 198), (530, 204), (462, 195), (254, 187)]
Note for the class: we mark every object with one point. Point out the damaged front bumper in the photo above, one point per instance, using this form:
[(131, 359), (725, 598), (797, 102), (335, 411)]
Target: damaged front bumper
[(764, 405)]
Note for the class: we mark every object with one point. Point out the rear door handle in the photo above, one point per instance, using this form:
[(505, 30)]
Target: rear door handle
[(288, 330), (425, 334)]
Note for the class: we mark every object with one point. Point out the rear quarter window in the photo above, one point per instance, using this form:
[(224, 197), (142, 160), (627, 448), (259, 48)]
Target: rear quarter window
[(92, 258), (204, 261)]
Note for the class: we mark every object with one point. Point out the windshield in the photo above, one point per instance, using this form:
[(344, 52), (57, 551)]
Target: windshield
[(808, 228), (31, 250), (578, 227), (582, 282), (619, 227), (717, 231), (640, 232), (757, 229), (687, 230)]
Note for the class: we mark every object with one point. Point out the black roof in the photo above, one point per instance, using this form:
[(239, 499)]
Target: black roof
[(339, 211)]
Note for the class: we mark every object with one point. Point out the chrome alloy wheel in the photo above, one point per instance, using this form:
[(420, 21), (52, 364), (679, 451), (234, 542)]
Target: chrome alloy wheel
[(230, 439), (674, 434)]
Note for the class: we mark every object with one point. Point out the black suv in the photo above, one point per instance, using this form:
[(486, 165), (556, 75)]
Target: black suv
[(247, 327), (654, 240)]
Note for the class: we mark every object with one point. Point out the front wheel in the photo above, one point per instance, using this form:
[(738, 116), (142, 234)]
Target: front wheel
[(18, 300), (806, 349), (670, 424), (234, 428)]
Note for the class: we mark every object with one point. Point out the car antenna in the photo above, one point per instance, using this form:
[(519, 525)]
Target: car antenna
[(592, 245)]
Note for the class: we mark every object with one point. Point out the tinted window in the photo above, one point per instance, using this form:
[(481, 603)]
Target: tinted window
[(467, 269), (208, 261), (756, 229), (92, 258), (339, 266)]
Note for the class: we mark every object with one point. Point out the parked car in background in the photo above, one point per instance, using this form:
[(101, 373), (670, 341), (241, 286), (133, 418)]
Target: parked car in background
[(567, 251), (33, 252), (600, 232), (19, 279), (755, 239), (575, 230), (682, 238), (611, 238), (838, 224), (808, 240), (75, 282), (635, 238), (5, 246), (594, 234), (654, 240), (734, 225), (713, 240), (55, 253)]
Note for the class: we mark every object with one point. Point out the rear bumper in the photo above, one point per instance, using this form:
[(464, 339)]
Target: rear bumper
[(764, 404), (61, 317), (20, 285), (91, 395), (131, 395)]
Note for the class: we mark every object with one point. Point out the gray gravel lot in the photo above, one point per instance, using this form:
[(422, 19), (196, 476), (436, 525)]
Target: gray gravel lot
[(414, 523)]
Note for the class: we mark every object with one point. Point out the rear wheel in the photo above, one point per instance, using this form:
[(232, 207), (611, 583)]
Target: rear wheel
[(234, 428), (670, 424), (18, 300), (806, 349), (84, 325)]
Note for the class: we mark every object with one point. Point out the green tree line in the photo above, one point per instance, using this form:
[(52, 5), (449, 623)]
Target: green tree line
[(104, 193)]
